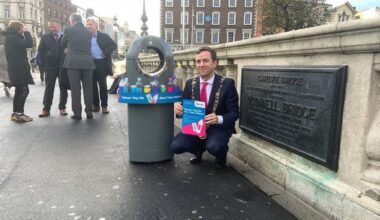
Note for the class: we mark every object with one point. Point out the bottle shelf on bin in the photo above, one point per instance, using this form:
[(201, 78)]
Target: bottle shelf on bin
[(149, 98)]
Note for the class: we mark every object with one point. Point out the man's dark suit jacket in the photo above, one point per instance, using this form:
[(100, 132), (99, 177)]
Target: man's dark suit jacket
[(50, 51), (107, 45), (228, 106), (77, 40)]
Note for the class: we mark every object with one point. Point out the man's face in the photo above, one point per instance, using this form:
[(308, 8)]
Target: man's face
[(92, 26), (204, 64), (54, 27)]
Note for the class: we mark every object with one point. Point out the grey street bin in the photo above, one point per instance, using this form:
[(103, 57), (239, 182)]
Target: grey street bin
[(150, 97)]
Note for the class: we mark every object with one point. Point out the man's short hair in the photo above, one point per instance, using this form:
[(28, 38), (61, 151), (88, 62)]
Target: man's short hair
[(93, 19), (209, 49), (16, 25), (76, 18), (54, 20)]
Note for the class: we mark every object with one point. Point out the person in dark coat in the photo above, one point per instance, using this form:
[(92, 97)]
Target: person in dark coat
[(79, 64), (222, 110), (16, 41), (102, 47), (50, 52)]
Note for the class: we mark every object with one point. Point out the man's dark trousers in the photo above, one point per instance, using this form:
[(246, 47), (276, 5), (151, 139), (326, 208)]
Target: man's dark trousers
[(76, 78), (100, 78), (51, 75)]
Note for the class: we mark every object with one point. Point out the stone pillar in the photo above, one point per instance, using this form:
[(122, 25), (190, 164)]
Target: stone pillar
[(231, 71), (190, 72), (371, 175), (181, 75)]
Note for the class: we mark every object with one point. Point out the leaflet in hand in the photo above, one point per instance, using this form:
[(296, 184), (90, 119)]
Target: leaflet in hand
[(193, 118)]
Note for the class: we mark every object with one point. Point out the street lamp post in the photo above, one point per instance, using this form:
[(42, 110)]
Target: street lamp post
[(116, 32)]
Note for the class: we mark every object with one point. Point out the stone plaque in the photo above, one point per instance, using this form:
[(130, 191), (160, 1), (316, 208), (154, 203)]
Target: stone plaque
[(296, 107)]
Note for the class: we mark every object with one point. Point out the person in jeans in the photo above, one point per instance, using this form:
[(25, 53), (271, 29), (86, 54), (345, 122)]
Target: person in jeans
[(16, 41), (50, 52), (102, 47)]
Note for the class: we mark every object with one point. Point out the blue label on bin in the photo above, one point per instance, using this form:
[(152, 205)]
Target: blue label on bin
[(149, 98)]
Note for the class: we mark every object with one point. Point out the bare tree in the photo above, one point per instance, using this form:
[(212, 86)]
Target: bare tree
[(286, 15)]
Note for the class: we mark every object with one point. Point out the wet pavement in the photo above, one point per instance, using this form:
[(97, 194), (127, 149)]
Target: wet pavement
[(58, 168)]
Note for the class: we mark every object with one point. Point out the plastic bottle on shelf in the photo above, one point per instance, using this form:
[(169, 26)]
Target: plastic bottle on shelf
[(175, 85), (139, 86), (121, 86), (126, 85), (169, 86), (155, 85)]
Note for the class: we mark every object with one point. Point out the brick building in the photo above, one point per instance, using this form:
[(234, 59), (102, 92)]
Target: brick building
[(58, 9), (207, 22)]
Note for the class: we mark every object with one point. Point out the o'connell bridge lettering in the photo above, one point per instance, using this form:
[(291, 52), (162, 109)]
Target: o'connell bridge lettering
[(297, 108)]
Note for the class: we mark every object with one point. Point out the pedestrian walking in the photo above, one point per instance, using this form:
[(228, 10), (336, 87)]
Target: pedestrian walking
[(79, 64), (4, 78), (222, 110), (102, 47), (16, 41), (49, 53)]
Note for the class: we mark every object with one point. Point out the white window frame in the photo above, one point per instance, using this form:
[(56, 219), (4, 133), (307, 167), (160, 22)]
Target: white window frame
[(214, 5), (213, 16), (186, 35), (7, 11), (202, 20), (202, 32), (246, 31), (186, 17), (250, 16), (230, 31), (200, 3), (169, 3), (232, 3), (215, 31), (167, 21), (248, 3), (186, 3), (231, 13), (21, 10), (169, 31)]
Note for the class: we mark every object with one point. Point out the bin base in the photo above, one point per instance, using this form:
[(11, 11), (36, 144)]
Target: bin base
[(151, 131)]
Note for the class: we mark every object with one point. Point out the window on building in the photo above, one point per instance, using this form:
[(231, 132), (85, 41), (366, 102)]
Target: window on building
[(215, 36), (200, 18), (231, 18), (169, 36), (22, 12), (55, 14), (247, 18), (49, 11), (216, 3), (169, 3), (230, 35), (248, 3), (186, 39), (215, 18), (35, 15), (186, 17), (200, 3), (247, 34), (232, 3), (7, 11), (169, 17), (199, 35), (186, 3)]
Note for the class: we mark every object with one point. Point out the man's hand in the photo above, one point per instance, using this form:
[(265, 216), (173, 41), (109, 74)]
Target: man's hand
[(178, 109), (211, 119)]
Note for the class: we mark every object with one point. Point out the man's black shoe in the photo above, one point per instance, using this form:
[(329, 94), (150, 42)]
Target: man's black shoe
[(197, 159), (220, 162), (90, 115), (75, 117)]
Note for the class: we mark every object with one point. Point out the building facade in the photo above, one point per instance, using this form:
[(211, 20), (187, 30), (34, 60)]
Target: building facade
[(341, 13), (58, 9), (29, 12), (206, 22)]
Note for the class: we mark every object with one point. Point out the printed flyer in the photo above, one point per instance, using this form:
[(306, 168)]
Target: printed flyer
[(193, 118)]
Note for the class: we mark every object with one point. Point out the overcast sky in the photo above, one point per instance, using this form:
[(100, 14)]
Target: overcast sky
[(131, 10)]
